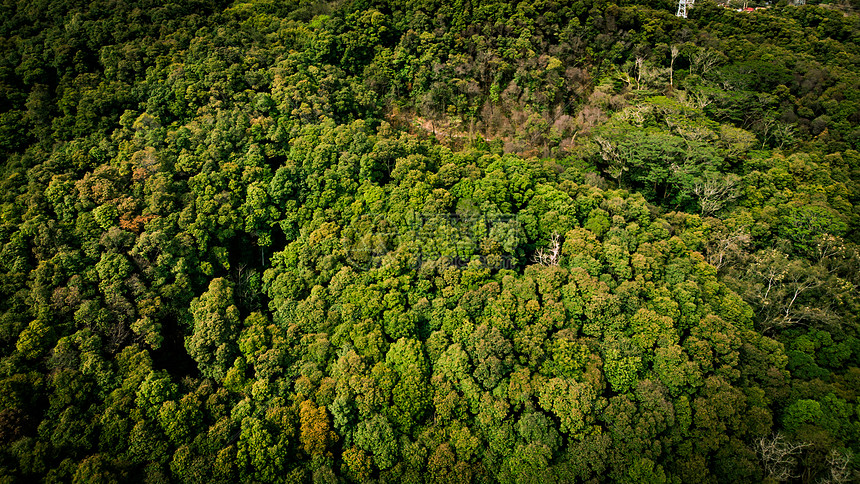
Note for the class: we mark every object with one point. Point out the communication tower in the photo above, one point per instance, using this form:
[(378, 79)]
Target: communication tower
[(682, 7)]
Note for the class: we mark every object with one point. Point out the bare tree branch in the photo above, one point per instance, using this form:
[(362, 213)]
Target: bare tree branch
[(552, 255), (840, 468), (779, 456), (716, 192)]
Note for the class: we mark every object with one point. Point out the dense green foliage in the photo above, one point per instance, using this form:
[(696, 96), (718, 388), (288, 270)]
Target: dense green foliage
[(428, 242)]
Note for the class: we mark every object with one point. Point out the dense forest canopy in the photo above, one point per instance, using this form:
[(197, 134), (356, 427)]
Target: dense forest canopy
[(426, 241)]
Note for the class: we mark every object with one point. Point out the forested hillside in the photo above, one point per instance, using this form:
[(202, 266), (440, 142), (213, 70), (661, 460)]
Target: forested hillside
[(429, 241)]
